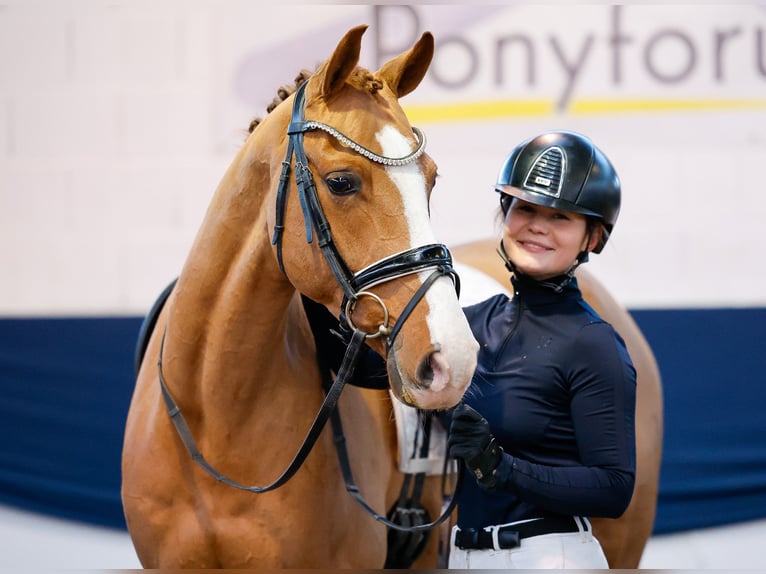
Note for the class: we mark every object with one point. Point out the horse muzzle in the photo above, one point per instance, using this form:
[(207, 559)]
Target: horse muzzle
[(439, 380)]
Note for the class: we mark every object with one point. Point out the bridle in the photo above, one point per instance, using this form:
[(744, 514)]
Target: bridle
[(354, 286)]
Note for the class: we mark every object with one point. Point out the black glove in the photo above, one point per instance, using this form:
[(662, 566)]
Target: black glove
[(470, 439)]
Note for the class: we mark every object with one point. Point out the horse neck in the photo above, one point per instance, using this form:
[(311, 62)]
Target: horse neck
[(232, 305)]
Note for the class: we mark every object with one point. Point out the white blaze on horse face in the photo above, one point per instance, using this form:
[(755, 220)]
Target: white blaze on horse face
[(455, 361), (411, 182)]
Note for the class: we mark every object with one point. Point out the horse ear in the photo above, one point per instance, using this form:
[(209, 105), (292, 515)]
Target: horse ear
[(405, 71), (342, 62)]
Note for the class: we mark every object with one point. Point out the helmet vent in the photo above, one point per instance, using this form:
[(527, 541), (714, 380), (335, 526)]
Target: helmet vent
[(546, 173)]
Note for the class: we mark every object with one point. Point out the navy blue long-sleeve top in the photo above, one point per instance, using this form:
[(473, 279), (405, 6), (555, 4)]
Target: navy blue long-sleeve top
[(557, 386)]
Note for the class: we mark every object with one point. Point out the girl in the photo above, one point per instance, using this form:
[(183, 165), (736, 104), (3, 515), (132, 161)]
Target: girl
[(546, 428)]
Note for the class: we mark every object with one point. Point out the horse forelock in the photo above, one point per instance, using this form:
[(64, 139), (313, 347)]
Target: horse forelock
[(365, 80)]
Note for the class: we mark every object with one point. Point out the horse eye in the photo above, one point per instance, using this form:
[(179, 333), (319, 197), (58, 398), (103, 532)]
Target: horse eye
[(342, 184)]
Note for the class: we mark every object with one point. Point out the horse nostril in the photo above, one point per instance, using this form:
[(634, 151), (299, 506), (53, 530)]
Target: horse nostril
[(425, 372), (433, 371)]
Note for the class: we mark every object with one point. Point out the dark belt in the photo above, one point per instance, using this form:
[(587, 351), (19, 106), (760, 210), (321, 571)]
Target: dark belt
[(511, 535)]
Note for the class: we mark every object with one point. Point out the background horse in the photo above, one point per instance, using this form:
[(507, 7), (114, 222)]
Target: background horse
[(346, 224), (623, 539)]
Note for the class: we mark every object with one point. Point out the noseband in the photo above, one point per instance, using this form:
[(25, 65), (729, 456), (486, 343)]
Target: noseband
[(354, 285)]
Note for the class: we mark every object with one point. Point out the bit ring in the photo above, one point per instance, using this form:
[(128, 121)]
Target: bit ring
[(383, 328)]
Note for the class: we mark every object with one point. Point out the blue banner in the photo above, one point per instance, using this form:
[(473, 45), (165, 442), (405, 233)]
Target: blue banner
[(66, 385)]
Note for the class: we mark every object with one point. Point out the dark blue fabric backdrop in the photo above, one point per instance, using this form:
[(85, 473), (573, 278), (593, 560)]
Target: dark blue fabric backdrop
[(66, 383), (713, 365), (65, 387)]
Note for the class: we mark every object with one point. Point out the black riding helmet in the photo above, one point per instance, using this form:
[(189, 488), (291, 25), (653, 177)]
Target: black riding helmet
[(565, 171)]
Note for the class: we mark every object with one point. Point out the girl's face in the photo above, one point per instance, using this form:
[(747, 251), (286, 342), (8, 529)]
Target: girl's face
[(544, 242)]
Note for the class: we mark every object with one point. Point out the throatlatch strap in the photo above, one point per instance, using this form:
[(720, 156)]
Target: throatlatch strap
[(284, 186), (314, 219)]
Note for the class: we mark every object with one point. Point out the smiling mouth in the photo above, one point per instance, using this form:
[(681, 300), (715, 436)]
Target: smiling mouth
[(534, 247)]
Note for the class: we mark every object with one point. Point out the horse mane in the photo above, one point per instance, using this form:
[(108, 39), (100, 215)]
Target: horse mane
[(283, 92), (360, 76)]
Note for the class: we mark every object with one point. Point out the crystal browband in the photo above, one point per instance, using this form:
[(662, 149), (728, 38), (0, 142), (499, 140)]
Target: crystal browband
[(369, 154)]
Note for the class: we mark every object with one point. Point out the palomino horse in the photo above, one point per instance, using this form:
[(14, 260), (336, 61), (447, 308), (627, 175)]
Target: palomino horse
[(623, 539), (230, 371)]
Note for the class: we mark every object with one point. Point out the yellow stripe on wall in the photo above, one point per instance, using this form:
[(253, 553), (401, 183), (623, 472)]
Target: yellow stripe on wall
[(536, 108), (638, 106), (479, 110)]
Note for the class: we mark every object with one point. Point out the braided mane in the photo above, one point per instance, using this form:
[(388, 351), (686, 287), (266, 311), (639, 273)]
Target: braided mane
[(283, 93), (359, 76)]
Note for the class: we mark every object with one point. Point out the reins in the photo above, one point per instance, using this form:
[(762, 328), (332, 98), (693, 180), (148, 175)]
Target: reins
[(434, 257), (327, 408), (353, 489)]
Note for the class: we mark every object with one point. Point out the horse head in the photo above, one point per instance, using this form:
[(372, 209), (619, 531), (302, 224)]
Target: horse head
[(352, 227)]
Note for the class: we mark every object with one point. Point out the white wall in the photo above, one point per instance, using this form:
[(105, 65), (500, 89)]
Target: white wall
[(118, 118)]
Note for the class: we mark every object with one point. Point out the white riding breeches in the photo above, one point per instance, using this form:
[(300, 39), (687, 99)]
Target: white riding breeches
[(571, 550)]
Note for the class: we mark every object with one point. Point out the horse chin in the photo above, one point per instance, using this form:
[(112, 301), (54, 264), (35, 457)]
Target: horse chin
[(431, 388)]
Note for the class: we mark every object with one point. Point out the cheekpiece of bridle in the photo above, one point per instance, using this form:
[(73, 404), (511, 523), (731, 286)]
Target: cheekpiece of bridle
[(354, 285)]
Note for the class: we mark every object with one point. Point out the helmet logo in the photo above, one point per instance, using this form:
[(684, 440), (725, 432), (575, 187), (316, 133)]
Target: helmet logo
[(546, 173)]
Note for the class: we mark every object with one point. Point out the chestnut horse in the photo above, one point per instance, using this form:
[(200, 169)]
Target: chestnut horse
[(230, 371), (623, 539)]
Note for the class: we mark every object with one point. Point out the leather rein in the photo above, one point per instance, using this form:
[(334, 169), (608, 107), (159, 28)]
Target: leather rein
[(432, 256)]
